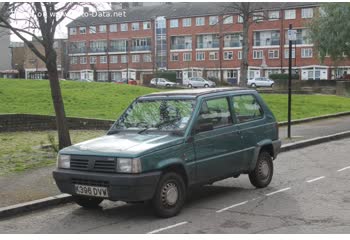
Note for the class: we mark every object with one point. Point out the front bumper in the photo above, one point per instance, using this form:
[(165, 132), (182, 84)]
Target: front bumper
[(121, 187)]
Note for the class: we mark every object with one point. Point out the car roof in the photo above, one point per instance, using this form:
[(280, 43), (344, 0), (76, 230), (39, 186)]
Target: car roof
[(196, 92)]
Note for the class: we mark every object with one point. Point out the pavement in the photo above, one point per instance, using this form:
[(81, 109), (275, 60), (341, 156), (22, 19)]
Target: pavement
[(38, 183), (309, 193)]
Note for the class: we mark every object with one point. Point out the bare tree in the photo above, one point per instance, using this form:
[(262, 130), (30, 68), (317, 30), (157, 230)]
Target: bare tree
[(42, 18)]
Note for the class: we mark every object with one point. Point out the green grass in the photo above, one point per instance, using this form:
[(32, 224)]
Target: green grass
[(108, 100)]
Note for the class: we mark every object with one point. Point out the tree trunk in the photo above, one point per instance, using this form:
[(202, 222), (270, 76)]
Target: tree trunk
[(245, 49), (61, 121)]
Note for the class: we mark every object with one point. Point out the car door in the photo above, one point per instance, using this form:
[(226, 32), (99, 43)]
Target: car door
[(250, 122), (215, 140)]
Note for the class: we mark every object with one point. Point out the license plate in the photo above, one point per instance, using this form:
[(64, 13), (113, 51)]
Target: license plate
[(91, 190)]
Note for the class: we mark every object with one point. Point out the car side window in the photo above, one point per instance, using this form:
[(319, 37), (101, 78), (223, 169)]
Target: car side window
[(215, 112), (246, 108)]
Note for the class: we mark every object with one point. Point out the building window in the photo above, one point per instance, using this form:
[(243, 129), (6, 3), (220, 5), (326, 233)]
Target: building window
[(228, 19), (274, 54), (307, 13), (208, 41), (258, 16), (82, 60), (92, 59), (186, 22), (200, 56), (174, 57), (181, 42), (135, 26), (303, 37), (289, 14), (113, 59), (124, 58), (124, 27), (102, 76), (231, 74), (233, 40), (274, 15), (187, 57), (200, 21), (147, 58), (74, 75), (82, 30), (102, 28), (72, 31), (267, 38), (213, 20), (174, 23), (103, 59), (141, 44), (306, 52), (286, 53), (239, 19), (113, 28), (117, 45), (98, 46), (74, 60), (213, 56), (228, 55), (135, 58), (239, 55), (92, 29), (257, 54), (146, 25)]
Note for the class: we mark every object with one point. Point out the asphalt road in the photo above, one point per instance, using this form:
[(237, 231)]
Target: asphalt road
[(308, 194)]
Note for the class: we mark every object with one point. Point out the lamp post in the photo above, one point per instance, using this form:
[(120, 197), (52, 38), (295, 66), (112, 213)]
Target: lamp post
[(291, 37)]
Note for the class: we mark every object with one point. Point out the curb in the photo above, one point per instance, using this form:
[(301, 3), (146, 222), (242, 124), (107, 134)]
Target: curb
[(65, 198), (34, 205), (304, 120)]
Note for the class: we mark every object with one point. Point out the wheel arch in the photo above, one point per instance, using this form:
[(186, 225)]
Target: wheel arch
[(265, 145)]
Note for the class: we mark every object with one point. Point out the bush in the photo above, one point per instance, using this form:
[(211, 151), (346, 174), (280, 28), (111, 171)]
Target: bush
[(282, 76)]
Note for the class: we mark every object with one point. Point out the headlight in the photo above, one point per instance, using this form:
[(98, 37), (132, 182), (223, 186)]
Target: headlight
[(63, 161), (129, 165)]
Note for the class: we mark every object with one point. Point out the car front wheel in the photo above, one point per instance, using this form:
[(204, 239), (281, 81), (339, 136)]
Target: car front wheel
[(170, 195), (253, 85), (261, 176), (87, 202), (206, 85), (189, 85)]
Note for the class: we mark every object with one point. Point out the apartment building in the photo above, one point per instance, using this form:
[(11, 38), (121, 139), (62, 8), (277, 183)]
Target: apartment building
[(195, 39)]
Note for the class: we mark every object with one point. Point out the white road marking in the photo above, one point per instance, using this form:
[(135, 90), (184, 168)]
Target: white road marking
[(281, 190), (315, 179), (235, 205), (348, 167), (168, 227)]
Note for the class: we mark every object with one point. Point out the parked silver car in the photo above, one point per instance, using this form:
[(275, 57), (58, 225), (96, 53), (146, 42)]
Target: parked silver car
[(198, 82), (260, 82), (163, 82)]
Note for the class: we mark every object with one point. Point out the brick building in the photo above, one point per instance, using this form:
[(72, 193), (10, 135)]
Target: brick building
[(194, 39)]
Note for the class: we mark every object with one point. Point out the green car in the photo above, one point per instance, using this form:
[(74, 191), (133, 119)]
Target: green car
[(165, 143)]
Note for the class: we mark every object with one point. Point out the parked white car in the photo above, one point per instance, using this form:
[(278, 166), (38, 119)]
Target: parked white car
[(260, 82), (163, 82), (198, 82)]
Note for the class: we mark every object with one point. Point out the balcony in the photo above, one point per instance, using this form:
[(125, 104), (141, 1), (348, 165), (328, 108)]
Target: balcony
[(208, 45), (180, 46), (98, 50), (141, 48), (267, 42), (232, 44), (77, 50), (118, 49)]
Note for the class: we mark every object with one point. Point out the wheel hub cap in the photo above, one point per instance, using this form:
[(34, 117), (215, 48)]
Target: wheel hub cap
[(170, 194), (264, 169)]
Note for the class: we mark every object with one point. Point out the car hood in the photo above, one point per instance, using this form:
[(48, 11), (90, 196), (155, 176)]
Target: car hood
[(124, 145)]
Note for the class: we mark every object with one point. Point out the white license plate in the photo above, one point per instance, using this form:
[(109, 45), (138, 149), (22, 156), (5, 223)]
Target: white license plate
[(91, 190)]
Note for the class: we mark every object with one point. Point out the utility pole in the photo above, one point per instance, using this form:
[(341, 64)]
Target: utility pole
[(291, 37)]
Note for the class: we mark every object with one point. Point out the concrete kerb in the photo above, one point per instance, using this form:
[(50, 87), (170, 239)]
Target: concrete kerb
[(311, 119), (65, 198)]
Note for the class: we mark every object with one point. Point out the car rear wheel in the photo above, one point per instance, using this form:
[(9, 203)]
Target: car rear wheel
[(170, 195), (261, 176), (253, 85), (206, 85), (272, 85), (168, 85), (189, 85), (87, 202)]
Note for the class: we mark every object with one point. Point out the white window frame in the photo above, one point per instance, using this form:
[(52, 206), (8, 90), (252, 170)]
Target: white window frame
[(239, 19), (227, 54), (174, 57), (258, 16), (80, 30), (174, 23), (123, 27), (103, 59), (124, 59), (274, 55), (92, 30), (274, 15), (102, 28), (147, 58), (239, 55), (307, 13), (93, 59), (186, 22), (114, 28), (146, 25), (200, 54), (228, 19), (83, 60), (113, 59), (213, 20), (215, 55), (72, 31), (73, 60), (135, 58), (200, 21), (135, 26), (286, 53), (308, 51), (289, 14), (186, 58), (104, 78), (258, 54)]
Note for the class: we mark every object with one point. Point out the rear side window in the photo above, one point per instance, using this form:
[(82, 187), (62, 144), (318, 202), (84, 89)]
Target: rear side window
[(247, 108), (216, 112)]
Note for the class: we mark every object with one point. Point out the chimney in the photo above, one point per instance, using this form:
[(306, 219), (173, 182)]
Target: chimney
[(86, 9)]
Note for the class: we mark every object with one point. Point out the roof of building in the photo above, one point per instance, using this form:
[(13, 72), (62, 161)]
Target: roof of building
[(177, 10)]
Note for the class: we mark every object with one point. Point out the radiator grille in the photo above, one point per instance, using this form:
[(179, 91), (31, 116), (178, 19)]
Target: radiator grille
[(93, 163)]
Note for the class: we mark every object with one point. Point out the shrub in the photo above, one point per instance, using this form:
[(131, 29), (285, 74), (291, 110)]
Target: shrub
[(284, 76)]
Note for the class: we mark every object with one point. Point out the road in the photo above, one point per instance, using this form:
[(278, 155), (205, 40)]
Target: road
[(308, 194)]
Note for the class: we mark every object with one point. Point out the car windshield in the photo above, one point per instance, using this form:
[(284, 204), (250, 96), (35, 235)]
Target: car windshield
[(160, 115)]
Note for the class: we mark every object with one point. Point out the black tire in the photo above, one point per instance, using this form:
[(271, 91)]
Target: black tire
[(253, 85), (165, 205), (261, 176), (189, 85), (206, 85), (272, 85), (168, 85), (87, 202)]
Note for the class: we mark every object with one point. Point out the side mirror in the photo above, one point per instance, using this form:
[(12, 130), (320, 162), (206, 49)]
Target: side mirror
[(204, 127)]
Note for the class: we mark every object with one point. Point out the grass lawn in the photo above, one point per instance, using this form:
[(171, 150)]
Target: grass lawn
[(108, 100)]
